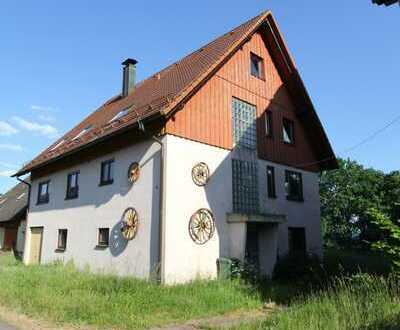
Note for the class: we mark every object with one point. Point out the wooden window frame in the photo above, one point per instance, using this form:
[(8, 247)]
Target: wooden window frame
[(106, 166), (286, 121), (43, 199), (100, 242), (268, 124), (72, 192), (289, 196), (62, 247), (260, 66), (271, 185)]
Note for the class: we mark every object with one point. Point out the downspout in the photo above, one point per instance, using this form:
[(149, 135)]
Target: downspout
[(160, 273)]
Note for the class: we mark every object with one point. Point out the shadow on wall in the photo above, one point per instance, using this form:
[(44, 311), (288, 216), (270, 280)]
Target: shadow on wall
[(117, 241)]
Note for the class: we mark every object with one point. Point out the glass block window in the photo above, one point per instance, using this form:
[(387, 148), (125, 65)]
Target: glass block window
[(245, 187), (244, 124)]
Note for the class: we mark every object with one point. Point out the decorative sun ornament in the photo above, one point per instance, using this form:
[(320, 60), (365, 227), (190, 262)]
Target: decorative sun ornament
[(133, 172), (130, 220), (201, 226), (200, 174)]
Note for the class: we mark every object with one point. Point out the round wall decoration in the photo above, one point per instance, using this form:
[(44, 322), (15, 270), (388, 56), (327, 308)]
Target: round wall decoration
[(130, 220), (201, 226), (200, 174), (133, 172)]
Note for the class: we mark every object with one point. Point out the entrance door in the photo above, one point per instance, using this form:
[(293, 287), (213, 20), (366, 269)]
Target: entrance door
[(10, 238), (36, 245), (252, 245)]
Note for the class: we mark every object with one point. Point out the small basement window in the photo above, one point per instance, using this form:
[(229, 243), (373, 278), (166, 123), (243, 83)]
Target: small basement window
[(107, 172), (62, 240), (43, 192), (72, 186), (288, 131), (297, 240), (104, 237), (256, 66), (294, 186)]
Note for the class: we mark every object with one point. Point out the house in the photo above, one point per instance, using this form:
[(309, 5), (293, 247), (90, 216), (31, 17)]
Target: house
[(13, 210), (385, 2), (216, 155)]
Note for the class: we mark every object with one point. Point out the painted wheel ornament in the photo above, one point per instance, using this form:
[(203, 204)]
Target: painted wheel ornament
[(130, 223), (201, 226), (200, 174), (133, 172)]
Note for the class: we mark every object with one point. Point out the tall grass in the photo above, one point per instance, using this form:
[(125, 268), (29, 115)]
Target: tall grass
[(63, 294), (358, 302)]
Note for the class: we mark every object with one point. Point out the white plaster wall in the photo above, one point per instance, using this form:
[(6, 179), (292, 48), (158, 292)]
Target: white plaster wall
[(185, 260), (1, 237), (268, 244), (299, 214), (21, 237), (103, 206)]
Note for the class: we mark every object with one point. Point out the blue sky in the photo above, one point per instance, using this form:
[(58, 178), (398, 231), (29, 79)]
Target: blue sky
[(59, 60)]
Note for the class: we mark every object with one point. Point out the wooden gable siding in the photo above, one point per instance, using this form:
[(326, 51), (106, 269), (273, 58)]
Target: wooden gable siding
[(206, 117)]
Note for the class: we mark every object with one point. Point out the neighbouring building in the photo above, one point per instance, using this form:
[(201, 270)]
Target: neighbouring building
[(216, 155), (13, 211)]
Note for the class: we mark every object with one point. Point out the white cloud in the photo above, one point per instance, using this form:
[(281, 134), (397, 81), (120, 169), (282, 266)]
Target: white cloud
[(48, 118), (11, 147), (43, 108), (6, 129), (8, 165), (7, 173), (42, 129)]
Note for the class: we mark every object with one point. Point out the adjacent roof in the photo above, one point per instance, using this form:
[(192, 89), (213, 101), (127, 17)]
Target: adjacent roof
[(14, 203), (385, 2), (160, 94)]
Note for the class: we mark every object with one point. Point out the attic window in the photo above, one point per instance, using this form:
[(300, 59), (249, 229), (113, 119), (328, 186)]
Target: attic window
[(84, 131), (256, 66), (120, 115), (57, 145), (20, 196)]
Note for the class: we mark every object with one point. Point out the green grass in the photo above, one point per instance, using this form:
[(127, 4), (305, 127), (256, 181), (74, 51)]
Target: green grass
[(359, 302), (62, 294)]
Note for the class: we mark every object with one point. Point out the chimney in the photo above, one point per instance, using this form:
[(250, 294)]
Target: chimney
[(129, 76)]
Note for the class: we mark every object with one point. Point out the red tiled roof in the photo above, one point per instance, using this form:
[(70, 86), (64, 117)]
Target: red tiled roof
[(157, 94)]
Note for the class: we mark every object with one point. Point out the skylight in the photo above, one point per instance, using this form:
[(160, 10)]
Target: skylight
[(57, 145), (84, 131), (119, 115), (2, 201)]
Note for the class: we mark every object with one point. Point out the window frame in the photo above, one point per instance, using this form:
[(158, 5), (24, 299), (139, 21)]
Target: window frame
[(291, 138), (100, 243), (268, 124), (46, 198), (260, 66), (291, 248), (107, 164), (271, 183), (62, 247), (72, 192), (299, 197)]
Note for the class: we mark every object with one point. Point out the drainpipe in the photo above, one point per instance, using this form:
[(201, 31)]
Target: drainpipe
[(161, 202)]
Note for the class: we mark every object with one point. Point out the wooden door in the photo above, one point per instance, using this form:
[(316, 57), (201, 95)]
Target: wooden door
[(36, 245), (10, 238)]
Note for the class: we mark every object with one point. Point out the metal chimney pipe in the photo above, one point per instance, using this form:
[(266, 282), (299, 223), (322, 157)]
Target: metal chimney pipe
[(129, 76)]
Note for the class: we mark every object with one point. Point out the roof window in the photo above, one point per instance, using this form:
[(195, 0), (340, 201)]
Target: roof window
[(83, 132), (120, 114)]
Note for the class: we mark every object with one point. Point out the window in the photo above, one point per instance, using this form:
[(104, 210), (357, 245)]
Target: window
[(268, 123), (271, 182), (244, 124), (256, 66), (43, 192), (104, 236), (57, 145), (107, 172), (245, 187), (119, 115), (72, 186), (62, 240), (297, 240), (84, 131), (288, 131), (294, 186)]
